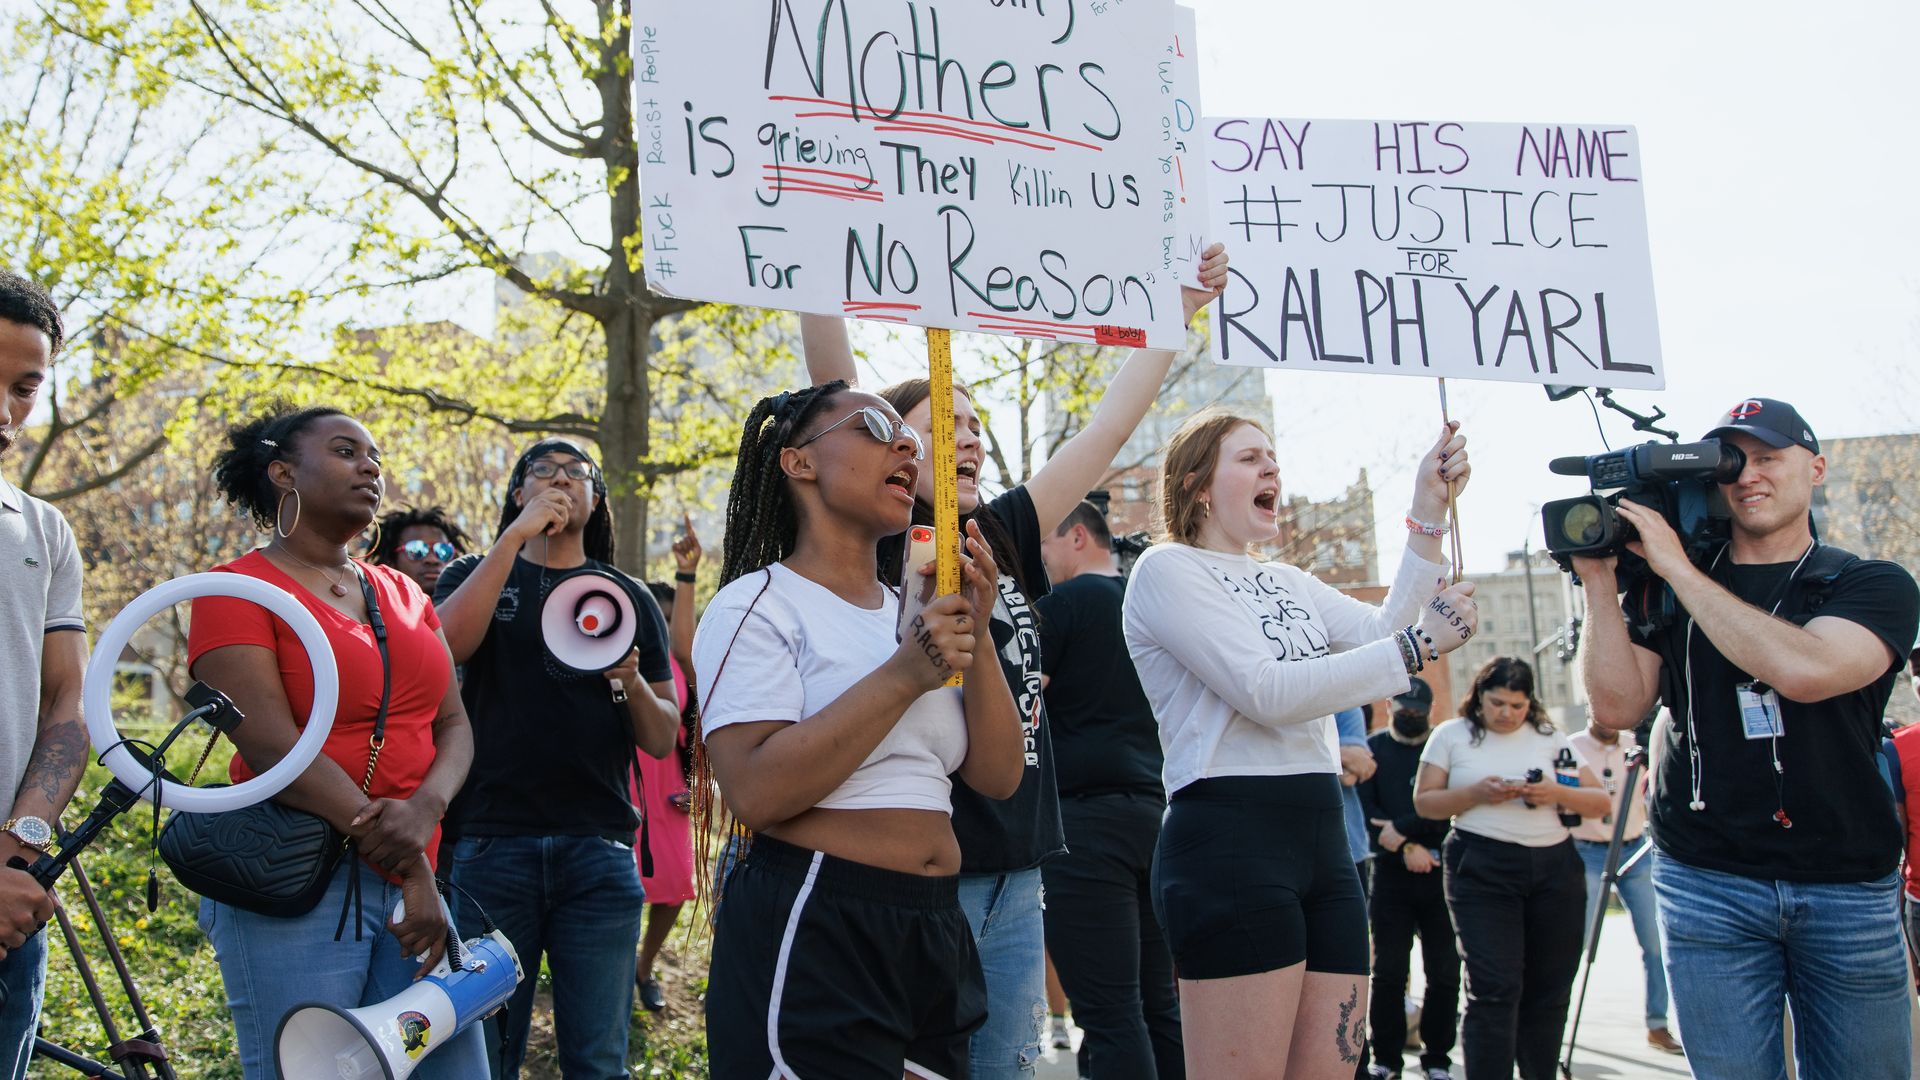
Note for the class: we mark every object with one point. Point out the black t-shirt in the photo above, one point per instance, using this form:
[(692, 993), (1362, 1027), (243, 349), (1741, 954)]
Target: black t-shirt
[(1829, 784), (551, 749), (1388, 793), (1104, 736), (1001, 836)]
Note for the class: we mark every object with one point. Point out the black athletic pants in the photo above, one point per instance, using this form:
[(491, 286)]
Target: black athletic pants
[(1405, 904), (1106, 944), (1517, 912)]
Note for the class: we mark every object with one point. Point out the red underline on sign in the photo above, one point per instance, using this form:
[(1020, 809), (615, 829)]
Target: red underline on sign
[(864, 181), (997, 316), (1028, 329), (864, 304), (876, 114), (801, 187), (879, 318)]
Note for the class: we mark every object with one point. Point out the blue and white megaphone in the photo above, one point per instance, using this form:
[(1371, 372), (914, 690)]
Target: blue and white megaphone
[(388, 1040)]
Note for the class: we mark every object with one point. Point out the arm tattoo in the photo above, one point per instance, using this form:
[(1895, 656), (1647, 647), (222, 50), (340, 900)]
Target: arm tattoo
[(59, 757), (1347, 1034)]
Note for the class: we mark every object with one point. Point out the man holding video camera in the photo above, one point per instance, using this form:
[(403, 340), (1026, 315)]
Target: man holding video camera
[(1777, 843)]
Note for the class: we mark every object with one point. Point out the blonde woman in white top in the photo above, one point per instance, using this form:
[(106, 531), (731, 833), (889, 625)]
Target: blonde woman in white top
[(1245, 662)]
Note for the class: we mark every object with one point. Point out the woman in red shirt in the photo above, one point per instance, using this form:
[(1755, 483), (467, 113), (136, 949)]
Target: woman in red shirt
[(313, 477)]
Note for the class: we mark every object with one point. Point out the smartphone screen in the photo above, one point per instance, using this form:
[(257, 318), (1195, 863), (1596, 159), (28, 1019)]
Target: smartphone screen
[(916, 588)]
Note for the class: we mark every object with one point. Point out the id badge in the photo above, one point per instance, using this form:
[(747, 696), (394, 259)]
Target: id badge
[(1759, 711)]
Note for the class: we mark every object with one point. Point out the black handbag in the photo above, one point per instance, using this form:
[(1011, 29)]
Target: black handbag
[(268, 858)]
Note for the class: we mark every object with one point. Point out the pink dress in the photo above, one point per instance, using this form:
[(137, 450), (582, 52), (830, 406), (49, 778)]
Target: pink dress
[(669, 829)]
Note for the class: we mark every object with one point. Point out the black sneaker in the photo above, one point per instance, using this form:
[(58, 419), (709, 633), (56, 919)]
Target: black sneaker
[(652, 998)]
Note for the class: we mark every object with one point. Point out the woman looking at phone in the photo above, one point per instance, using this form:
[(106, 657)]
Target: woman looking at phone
[(1514, 882)]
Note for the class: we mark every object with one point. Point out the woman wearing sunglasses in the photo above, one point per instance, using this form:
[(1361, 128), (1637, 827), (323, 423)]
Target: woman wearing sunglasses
[(840, 948), (418, 543), (1004, 842)]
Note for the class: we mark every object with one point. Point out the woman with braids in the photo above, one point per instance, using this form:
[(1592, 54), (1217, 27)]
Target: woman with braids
[(1003, 843), (418, 543), (1245, 661), (313, 477), (840, 950), (1515, 884), (545, 827)]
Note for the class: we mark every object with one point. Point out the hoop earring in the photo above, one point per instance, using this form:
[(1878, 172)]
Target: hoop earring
[(280, 512), (374, 545)]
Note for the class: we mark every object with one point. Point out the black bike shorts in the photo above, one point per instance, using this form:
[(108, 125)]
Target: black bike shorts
[(1253, 874)]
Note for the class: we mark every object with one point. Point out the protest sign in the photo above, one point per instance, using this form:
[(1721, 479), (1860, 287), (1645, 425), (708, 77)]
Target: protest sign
[(1515, 252), (1182, 168), (975, 166)]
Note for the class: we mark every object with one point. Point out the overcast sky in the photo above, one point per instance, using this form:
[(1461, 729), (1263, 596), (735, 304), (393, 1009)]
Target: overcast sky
[(1779, 152)]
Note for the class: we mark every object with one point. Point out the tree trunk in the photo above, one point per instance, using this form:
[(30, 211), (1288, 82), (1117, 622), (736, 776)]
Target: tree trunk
[(625, 438)]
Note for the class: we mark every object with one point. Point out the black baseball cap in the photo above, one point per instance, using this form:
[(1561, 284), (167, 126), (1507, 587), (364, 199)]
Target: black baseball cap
[(1775, 423), (1418, 698)]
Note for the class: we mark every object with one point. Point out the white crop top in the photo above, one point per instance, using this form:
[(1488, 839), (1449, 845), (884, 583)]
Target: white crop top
[(799, 648)]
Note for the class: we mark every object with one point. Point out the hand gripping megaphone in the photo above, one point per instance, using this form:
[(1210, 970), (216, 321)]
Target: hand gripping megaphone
[(589, 622), (388, 1040)]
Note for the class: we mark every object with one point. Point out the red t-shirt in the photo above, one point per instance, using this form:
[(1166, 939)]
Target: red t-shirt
[(421, 671)]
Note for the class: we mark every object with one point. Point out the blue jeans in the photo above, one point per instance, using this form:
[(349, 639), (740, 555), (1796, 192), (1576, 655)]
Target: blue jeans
[(272, 964), (577, 901), (24, 974), (1004, 912), (1739, 949), (1636, 891)]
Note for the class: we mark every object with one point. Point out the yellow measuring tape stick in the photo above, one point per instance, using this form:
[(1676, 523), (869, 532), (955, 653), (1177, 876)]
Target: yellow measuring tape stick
[(946, 483)]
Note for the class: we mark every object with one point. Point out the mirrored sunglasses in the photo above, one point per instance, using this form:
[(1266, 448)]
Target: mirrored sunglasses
[(879, 425), (418, 549)]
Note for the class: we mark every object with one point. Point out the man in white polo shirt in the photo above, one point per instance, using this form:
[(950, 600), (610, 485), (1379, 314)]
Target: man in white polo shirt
[(43, 651)]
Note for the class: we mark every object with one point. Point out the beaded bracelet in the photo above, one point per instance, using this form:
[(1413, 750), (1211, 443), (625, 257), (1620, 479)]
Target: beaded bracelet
[(1411, 648), (1432, 653), (1414, 524), (1408, 656)]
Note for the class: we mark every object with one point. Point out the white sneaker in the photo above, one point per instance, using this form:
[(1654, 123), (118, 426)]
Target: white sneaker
[(1380, 1072), (1439, 1074), (1062, 1037)]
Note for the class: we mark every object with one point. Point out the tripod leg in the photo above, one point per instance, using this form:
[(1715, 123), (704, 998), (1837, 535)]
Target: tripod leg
[(137, 1063)]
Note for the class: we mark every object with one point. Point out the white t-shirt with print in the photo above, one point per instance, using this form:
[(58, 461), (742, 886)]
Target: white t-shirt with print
[(1245, 662)]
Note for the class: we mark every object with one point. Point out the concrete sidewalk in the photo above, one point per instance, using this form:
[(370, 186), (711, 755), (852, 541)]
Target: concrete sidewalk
[(1613, 1038)]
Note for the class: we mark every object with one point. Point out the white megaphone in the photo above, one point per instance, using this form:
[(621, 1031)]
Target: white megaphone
[(589, 623), (388, 1040)]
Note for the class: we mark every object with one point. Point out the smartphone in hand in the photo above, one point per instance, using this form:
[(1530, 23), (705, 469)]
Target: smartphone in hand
[(916, 586)]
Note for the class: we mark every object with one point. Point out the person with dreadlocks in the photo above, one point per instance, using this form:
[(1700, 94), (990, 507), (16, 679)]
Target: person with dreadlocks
[(1004, 843), (840, 948), (545, 827), (418, 543), (313, 477)]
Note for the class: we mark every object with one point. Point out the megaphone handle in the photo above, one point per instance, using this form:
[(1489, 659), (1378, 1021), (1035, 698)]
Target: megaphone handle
[(619, 690)]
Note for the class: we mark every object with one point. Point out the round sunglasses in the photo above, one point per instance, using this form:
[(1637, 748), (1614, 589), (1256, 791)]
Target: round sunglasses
[(417, 550), (879, 425)]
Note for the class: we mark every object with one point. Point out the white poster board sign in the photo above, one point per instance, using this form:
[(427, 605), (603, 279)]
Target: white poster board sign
[(977, 166), (1515, 252), (1182, 168)]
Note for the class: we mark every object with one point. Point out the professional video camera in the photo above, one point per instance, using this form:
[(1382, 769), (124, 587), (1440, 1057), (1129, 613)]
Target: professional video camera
[(1679, 481)]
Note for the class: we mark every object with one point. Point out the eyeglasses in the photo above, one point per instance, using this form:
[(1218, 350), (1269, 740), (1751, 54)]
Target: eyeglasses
[(879, 425), (418, 549), (547, 470)]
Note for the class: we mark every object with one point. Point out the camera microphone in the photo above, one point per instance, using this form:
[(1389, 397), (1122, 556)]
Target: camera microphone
[(1568, 466)]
